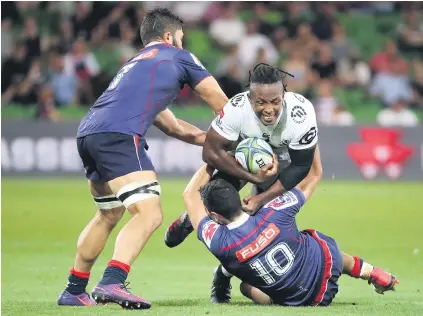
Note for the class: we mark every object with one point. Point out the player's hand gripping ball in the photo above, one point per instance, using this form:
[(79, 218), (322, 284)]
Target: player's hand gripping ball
[(253, 154)]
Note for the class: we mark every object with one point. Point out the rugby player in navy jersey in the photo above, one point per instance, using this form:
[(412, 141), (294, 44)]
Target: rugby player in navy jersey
[(277, 263), (286, 120), (112, 147)]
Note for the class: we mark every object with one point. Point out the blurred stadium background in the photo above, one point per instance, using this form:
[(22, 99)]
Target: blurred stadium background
[(360, 63), (353, 59)]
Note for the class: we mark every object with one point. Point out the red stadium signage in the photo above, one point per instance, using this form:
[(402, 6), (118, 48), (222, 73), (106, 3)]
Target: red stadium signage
[(380, 151)]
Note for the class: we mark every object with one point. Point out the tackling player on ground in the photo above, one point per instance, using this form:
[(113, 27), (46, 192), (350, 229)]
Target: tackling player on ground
[(112, 147), (284, 119), (277, 263)]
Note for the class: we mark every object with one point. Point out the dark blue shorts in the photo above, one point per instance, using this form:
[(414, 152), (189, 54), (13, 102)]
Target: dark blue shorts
[(107, 156), (332, 269)]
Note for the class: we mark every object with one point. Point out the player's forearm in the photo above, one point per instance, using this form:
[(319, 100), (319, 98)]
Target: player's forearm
[(200, 178), (190, 134), (299, 170), (179, 129), (210, 91), (293, 175), (271, 193), (309, 184), (301, 162), (192, 199), (222, 161)]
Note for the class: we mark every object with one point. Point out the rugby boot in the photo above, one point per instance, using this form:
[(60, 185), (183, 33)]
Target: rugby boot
[(68, 299), (221, 288), (178, 231), (118, 294), (382, 281)]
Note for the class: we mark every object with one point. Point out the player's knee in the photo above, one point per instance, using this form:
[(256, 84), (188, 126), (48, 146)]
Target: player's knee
[(245, 289), (148, 211), (112, 217), (156, 219), (254, 294), (138, 191)]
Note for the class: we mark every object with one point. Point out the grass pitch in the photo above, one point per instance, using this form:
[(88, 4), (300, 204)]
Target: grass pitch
[(41, 220)]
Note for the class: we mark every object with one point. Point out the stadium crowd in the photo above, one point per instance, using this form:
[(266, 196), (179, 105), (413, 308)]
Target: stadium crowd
[(57, 54)]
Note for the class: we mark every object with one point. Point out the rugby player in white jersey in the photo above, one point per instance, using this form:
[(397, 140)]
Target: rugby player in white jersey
[(286, 120)]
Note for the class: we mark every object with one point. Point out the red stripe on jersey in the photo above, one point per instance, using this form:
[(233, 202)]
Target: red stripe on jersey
[(327, 266), (264, 220), (150, 90)]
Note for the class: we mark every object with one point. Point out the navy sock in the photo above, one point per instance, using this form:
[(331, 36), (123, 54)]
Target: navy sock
[(77, 282), (114, 275)]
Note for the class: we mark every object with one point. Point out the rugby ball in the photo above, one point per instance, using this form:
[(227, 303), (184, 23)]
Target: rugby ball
[(253, 153)]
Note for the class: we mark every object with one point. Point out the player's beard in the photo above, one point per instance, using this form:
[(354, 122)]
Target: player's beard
[(175, 43)]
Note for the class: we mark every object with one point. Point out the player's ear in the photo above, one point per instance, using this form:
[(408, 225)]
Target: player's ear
[(168, 37), (215, 217)]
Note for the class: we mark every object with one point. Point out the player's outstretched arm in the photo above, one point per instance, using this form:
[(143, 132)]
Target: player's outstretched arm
[(197, 77), (179, 129), (192, 197), (216, 155), (210, 91)]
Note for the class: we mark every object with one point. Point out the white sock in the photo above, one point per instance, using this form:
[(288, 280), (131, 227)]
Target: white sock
[(226, 273), (365, 271)]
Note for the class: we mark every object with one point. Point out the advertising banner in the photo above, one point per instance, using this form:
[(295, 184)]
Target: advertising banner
[(49, 149)]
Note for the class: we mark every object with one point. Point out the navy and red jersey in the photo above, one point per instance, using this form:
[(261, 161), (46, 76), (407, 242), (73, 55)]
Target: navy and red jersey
[(268, 252), (143, 87)]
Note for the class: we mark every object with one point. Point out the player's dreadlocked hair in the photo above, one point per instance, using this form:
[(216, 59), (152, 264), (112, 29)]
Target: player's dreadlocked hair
[(157, 22), (221, 197), (267, 74)]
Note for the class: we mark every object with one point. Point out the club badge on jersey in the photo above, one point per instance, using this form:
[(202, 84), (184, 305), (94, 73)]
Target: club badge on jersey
[(286, 200), (209, 229)]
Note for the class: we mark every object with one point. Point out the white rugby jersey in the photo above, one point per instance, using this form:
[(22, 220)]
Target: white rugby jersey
[(295, 127)]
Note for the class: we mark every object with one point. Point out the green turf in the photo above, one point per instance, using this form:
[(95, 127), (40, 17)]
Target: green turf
[(41, 220)]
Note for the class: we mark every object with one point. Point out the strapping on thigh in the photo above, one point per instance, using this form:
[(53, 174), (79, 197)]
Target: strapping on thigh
[(138, 191), (107, 202)]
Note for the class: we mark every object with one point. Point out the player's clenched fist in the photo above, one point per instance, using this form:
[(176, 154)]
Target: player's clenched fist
[(268, 171), (251, 204)]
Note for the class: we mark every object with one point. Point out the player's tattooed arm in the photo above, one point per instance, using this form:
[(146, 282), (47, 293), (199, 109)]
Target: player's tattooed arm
[(215, 153), (192, 197), (179, 129)]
